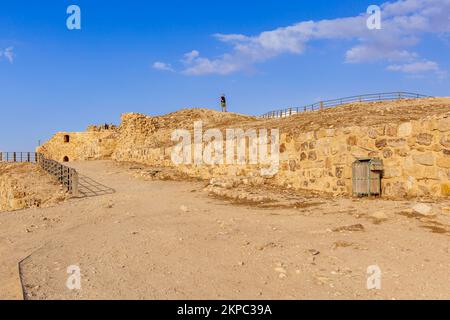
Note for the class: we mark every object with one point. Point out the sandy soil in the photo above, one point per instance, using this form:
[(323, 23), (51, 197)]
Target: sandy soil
[(170, 240)]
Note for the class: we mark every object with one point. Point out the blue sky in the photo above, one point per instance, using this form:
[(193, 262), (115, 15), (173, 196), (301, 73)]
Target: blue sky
[(156, 57)]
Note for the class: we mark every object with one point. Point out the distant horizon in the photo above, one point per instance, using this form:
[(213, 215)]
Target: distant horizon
[(159, 58)]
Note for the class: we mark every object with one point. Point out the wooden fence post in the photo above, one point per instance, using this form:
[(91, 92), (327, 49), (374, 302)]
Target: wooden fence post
[(74, 183)]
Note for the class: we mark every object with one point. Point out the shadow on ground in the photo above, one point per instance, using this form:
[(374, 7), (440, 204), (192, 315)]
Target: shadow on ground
[(88, 187)]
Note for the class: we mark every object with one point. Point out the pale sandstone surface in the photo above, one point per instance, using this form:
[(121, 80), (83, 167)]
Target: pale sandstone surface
[(169, 240), (94, 144)]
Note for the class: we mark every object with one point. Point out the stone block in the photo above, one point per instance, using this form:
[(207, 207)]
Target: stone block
[(445, 141), (397, 143), (425, 159), (380, 144), (405, 130), (444, 125), (392, 172), (445, 189), (443, 162), (424, 139), (391, 130)]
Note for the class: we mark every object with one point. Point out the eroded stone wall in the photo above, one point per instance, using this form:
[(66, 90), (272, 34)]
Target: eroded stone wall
[(416, 157), (317, 149), (73, 146)]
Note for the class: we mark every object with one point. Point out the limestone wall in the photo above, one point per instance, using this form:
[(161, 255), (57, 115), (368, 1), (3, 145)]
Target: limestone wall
[(90, 145), (317, 149), (414, 153), (416, 156)]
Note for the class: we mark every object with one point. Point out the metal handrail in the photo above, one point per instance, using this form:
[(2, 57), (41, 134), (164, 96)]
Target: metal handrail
[(68, 177), (283, 113), (18, 157)]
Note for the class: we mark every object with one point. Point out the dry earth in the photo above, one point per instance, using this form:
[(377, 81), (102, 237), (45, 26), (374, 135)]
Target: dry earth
[(172, 240)]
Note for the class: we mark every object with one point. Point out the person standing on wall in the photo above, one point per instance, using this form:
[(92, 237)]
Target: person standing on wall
[(223, 103)]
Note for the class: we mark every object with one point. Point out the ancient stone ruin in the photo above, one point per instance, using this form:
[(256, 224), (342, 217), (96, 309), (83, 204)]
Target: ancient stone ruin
[(411, 138)]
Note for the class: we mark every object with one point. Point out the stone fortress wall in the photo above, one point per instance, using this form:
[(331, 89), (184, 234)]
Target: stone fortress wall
[(94, 144), (317, 149)]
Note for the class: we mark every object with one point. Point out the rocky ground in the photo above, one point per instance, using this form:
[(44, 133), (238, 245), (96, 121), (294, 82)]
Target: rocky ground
[(25, 185), (155, 239), (362, 114)]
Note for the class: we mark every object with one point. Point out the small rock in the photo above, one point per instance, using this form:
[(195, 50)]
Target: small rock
[(341, 244), (109, 205), (446, 211), (314, 252), (184, 209), (423, 209), (379, 215), (322, 280), (280, 270), (312, 260), (354, 228)]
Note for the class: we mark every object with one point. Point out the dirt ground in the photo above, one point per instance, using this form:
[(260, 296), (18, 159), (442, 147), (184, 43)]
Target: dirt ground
[(171, 240)]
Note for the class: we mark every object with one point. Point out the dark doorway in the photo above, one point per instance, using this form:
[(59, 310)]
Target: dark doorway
[(66, 138), (66, 159)]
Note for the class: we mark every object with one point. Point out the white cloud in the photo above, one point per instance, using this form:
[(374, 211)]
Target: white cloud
[(404, 24), (418, 67), (8, 54), (195, 65), (190, 56), (162, 66)]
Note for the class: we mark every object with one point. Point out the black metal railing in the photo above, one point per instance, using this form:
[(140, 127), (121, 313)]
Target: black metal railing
[(68, 177), (283, 113), (18, 157)]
